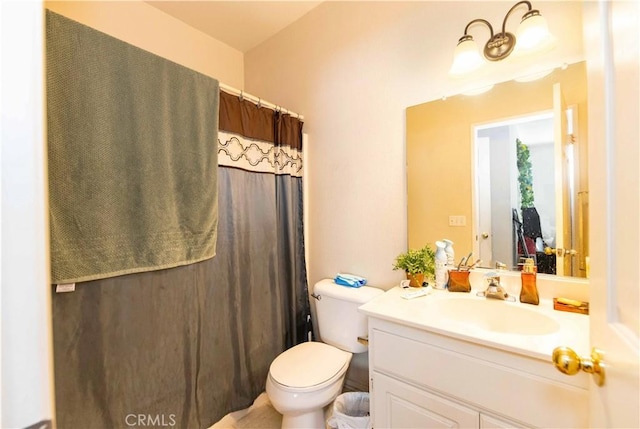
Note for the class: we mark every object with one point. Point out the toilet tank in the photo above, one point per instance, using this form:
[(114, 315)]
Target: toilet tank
[(339, 322)]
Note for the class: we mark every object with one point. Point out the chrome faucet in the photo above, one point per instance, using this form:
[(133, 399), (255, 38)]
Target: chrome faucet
[(495, 290)]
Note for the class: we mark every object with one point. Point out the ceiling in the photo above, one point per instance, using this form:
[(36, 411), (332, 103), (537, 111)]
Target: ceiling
[(242, 25)]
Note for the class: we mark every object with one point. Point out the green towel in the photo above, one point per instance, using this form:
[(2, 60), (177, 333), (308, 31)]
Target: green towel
[(132, 157)]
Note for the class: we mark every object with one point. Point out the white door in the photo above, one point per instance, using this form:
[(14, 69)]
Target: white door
[(612, 48)]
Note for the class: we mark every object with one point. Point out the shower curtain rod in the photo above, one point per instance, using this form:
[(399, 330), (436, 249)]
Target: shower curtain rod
[(258, 100)]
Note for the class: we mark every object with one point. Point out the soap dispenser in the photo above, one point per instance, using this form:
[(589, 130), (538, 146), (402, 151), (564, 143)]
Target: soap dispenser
[(529, 291)]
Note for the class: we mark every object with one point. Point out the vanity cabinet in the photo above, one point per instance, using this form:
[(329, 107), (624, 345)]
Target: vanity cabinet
[(399, 404), (422, 379), (402, 405)]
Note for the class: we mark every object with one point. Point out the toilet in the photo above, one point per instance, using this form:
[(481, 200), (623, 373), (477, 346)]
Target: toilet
[(309, 376)]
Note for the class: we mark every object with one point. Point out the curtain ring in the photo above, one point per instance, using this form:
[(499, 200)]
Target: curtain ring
[(259, 102), (241, 95)]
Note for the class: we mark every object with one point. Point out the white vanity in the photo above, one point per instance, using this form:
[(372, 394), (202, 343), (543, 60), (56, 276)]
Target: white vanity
[(459, 360)]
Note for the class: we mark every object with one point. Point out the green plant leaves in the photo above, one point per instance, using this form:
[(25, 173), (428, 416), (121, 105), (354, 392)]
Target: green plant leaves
[(415, 261), (525, 177)]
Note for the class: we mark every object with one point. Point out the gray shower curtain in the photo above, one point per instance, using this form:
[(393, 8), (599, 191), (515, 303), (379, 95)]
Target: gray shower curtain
[(181, 347), (190, 343)]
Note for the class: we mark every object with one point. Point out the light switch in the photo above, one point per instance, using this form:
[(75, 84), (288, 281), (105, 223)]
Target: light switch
[(457, 220)]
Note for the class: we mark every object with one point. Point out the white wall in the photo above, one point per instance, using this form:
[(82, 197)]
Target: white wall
[(351, 68), (26, 370)]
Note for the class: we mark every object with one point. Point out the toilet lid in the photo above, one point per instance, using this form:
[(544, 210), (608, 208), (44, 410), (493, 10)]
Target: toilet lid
[(308, 364)]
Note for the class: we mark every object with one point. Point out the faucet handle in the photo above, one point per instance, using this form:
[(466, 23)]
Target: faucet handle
[(500, 266)]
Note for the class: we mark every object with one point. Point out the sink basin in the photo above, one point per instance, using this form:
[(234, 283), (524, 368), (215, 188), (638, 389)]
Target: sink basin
[(496, 316)]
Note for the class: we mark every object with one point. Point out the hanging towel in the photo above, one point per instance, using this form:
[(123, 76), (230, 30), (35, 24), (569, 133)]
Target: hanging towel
[(132, 141), (349, 280)]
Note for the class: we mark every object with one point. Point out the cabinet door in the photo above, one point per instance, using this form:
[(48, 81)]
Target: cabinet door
[(399, 405)]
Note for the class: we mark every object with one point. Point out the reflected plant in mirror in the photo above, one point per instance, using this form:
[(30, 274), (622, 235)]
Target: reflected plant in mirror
[(515, 159), (525, 179)]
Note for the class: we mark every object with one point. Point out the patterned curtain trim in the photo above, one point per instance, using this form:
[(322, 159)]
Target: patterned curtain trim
[(258, 156)]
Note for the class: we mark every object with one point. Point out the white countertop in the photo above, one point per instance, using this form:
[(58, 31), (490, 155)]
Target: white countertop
[(572, 329)]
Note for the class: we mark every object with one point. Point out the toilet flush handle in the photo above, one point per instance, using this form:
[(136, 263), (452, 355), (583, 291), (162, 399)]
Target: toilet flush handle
[(316, 296)]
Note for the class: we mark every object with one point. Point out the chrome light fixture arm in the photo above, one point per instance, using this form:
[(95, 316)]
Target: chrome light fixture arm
[(533, 33), (501, 45), (530, 11), (484, 21)]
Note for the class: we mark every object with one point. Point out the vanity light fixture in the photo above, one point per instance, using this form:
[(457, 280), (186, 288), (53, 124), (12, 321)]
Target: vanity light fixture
[(532, 36)]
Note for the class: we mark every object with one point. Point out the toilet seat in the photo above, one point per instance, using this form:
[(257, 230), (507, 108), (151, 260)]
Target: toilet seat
[(309, 366)]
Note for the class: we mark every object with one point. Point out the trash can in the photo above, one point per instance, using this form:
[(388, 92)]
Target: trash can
[(350, 411)]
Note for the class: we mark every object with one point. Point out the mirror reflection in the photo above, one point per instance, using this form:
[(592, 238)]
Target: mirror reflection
[(503, 174)]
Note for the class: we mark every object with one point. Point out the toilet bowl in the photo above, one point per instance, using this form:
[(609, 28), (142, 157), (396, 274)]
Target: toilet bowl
[(306, 378)]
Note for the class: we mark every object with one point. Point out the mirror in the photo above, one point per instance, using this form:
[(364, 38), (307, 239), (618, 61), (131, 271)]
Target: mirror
[(462, 170)]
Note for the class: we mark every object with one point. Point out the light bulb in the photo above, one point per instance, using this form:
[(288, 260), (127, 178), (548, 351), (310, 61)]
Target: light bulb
[(533, 35), (466, 57)]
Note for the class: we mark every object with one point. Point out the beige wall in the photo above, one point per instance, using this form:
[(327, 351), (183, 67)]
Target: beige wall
[(439, 147), (143, 25), (352, 68)]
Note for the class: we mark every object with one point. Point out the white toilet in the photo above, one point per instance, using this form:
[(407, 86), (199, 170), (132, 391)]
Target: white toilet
[(305, 378)]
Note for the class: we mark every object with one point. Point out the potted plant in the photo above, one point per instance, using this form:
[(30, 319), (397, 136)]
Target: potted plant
[(418, 264)]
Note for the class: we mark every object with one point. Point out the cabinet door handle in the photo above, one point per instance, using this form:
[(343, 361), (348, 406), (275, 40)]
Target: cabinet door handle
[(568, 362)]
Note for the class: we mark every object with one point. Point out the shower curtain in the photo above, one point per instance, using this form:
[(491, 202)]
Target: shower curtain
[(182, 347), (189, 344)]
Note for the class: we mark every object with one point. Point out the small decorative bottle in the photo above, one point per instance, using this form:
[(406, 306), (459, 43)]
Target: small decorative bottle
[(448, 249), (529, 291), (441, 265)]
